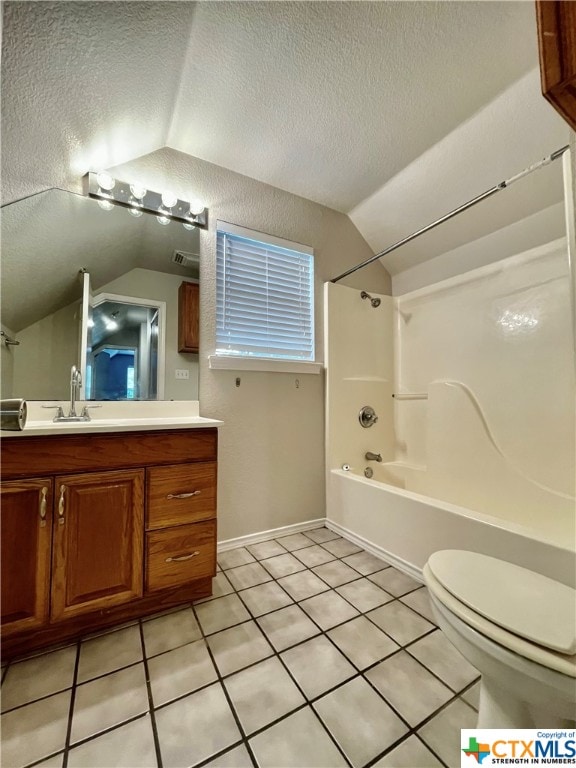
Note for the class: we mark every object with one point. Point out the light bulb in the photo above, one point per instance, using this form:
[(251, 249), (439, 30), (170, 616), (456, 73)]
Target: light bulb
[(105, 181), (106, 205), (169, 199), (111, 325), (138, 191), (136, 212), (188, 226), (196, 207), (164, 220), (90, 323)]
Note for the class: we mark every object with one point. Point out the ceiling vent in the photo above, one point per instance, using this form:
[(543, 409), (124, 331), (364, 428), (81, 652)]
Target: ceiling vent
[(185, 259)]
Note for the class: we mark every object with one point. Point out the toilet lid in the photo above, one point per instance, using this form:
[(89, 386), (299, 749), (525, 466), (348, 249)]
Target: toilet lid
[(530, 605)]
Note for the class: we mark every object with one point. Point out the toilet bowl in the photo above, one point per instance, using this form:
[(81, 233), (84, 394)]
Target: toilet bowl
[(518, 628)]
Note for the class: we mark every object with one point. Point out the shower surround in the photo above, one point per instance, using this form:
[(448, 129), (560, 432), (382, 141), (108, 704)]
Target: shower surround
[(473, 382)]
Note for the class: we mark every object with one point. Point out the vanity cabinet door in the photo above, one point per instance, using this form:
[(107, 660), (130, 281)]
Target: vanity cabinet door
[(26, 534), (98, 542)]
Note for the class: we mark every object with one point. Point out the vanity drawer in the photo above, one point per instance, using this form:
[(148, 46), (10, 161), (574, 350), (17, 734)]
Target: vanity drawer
[(179, 494), (178, 555)]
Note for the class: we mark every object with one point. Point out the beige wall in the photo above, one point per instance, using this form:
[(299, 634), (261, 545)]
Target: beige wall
[(7, 365), (159, 286), (47, 351), (271, 453)]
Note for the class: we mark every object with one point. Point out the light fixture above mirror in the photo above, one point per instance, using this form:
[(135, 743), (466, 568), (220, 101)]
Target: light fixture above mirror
[(164, 205)]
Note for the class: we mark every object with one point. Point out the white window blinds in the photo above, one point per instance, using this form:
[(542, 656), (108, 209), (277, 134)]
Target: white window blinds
[(264, 296)]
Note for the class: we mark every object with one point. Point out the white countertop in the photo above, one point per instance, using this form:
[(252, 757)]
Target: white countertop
[(114, 417)]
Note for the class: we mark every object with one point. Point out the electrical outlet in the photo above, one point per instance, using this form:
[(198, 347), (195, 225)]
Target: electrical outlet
[(182, 373)]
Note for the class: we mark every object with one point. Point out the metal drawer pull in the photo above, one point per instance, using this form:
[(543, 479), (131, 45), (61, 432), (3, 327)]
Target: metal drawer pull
[(43, 507), (181, 558), (61, 505), (183, 495)]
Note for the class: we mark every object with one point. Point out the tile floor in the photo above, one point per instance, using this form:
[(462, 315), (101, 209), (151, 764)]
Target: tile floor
[(311, 653)]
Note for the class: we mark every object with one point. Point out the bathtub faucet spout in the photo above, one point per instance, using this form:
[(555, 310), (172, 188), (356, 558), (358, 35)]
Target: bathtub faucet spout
[(369, 456)]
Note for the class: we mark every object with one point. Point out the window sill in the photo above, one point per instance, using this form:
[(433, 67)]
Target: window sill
[(233, 363)]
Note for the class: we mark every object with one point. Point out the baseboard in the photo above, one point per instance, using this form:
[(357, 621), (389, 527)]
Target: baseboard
[(274, 533), (402, 565)]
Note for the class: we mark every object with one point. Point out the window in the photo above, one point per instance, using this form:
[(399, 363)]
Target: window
[(264, 296)]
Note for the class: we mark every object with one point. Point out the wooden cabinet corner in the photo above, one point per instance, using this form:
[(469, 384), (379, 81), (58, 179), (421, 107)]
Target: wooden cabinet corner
[(188, 317)]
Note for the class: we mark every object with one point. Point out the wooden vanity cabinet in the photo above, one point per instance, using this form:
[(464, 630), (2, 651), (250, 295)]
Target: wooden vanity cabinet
[(118, 526), (26, 531)]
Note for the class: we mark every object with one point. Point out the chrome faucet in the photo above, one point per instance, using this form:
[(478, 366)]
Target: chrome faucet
[(75, 384), (369, 456)]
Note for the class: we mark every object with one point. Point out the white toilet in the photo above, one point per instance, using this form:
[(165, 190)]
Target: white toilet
[(518, 628)]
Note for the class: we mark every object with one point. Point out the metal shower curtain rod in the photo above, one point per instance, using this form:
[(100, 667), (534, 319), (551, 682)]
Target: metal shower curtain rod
[(489, 192)]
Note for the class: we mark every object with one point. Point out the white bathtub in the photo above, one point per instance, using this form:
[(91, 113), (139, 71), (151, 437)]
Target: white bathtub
[(405, 528)]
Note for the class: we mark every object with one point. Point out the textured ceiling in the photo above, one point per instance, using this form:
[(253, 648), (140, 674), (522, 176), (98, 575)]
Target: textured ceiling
[(395, 111), (329, 100)]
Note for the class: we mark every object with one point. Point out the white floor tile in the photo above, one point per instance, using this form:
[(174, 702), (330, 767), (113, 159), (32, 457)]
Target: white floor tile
[(221, 614), (170, 631), (234, 758), (364, 595), (55, 761), (438, 654), (472, 696), (192, 729), (40, 676), (336, 573), (236, 648), (262, 694), (220, 587), (287, 627), (296, 742), (411, 753), (320, 535), (411, 689), (362, 642), (265, 598), (400, 622), (180, 671), (395, 582), (317, 665), (328, 609), (365, 563), (302, 585), (247, 576), (362, 724), (266, 549), (420, 602), (109, 652), (109, 701), (283, 565), (130, 745), (442, 733), (293, 542), (341, 547), (36, 730), (234, 557), (314, 555)]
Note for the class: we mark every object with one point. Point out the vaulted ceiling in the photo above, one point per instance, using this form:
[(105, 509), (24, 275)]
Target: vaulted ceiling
[(393, 112)]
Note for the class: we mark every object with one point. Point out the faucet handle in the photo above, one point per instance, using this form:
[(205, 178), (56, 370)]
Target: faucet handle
[(58, 409), (85, 414)]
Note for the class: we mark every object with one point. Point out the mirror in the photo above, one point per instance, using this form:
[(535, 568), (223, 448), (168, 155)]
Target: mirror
[(46, 240), (125, 351)]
